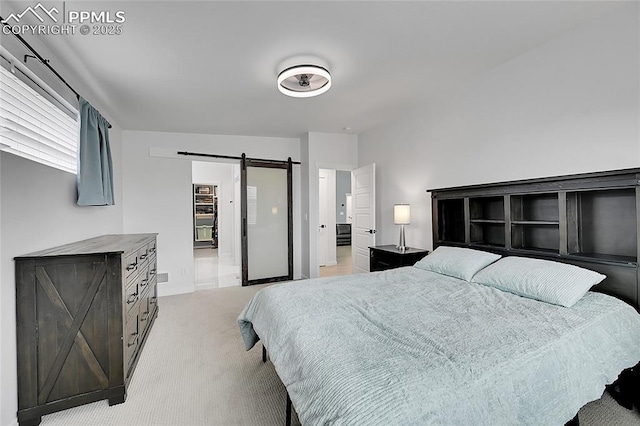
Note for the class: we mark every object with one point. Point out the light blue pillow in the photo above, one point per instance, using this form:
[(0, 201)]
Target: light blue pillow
[(456, 262), (551, 282)]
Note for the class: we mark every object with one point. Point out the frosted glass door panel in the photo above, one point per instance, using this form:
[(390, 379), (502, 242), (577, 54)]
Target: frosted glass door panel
[(267, 223)]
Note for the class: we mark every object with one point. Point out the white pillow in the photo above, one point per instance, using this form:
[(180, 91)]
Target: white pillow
[(551, 282), (456, 262)]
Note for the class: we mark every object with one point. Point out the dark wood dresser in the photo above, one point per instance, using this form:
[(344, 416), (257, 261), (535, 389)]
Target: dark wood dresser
[(84, 311), (389, 257)]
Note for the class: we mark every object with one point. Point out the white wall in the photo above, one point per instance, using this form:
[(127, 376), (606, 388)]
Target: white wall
[(305, 170), (222, 175), (568, 106), (343, 187), (157, 193), (328, 151)]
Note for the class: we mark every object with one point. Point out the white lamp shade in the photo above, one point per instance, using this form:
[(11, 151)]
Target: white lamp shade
[(401, 214)]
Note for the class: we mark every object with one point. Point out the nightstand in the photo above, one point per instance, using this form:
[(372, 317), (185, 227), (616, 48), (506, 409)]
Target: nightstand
[(389, 257)]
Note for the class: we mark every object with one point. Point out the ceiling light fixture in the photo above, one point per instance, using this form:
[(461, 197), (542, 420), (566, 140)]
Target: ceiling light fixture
[(304, 81)]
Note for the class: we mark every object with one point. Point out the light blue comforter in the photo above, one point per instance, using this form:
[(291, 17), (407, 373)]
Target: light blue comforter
[(411, 347)]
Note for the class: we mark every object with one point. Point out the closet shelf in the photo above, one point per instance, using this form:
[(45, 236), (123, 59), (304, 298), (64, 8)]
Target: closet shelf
[(536, 222), (205, 215)]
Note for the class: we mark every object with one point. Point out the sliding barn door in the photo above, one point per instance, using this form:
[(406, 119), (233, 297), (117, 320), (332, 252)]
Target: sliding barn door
[(267, 221)]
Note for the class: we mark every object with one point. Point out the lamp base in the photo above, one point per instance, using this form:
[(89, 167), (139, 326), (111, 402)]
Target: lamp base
[(401, 245)]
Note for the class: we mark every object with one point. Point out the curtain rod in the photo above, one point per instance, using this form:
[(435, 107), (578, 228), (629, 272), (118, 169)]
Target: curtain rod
[(45, 62), (231, 157), (42, 60)]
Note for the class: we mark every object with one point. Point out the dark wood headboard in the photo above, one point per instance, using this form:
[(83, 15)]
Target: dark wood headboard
[(589, 220)]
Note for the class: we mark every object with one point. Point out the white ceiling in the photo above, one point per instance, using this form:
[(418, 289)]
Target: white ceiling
[(211, 67)]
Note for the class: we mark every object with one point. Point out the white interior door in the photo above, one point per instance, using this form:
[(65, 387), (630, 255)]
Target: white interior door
[(322, 230), (363, 228)]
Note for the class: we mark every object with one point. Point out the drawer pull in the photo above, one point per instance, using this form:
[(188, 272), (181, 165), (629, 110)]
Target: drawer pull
[(153, 271), (153, 299), (132, 298), (145, 316), (144, 256), (144, 282), (133, 342), (152, 249), (132, 266)]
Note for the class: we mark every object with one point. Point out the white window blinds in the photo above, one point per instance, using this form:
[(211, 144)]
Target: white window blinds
[(34, 128)]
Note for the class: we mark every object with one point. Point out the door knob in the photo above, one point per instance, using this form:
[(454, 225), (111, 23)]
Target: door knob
[(323, 226), (371, 231)]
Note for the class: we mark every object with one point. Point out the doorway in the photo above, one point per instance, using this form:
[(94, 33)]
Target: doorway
[(334, 234), (216, 224)]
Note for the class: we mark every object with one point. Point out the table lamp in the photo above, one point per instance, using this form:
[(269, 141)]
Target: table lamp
[(402, 217)]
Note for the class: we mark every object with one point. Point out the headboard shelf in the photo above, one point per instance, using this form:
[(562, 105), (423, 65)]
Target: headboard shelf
[(591, 220)]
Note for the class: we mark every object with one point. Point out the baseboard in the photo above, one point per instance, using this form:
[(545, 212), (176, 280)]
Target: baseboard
[(167, 289), (334, 263)]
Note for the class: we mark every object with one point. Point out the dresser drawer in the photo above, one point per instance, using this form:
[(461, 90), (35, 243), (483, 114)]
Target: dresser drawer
[(131, 294), (144, 279), (131, 340), (153, 271), (152, 248), (131, 264), (144, 313), (143, 255), (153, 297)]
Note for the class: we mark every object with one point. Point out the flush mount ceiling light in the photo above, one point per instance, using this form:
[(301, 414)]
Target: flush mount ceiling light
[(304, 81)]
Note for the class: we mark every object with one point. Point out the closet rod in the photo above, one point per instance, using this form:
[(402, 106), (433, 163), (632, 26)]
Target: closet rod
[(231, 157)]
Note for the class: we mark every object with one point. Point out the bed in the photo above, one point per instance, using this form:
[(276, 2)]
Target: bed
[(495, 336), (410, 346)]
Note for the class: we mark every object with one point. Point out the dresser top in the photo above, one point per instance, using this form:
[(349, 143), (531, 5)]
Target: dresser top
[(114, 243)]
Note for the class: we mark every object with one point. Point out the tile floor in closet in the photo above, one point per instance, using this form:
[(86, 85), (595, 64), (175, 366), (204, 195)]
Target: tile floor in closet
[(212, 271)]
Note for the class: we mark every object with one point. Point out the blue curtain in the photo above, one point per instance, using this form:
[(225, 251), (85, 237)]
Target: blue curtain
[(95, 170)]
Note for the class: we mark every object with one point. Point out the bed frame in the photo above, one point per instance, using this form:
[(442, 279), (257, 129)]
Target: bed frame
[(588, 220)]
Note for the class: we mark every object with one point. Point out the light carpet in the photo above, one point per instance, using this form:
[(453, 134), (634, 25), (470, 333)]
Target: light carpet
[(194, 371)]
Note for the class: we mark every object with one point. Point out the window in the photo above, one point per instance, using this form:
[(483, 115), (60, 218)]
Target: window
[(34, 128)]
